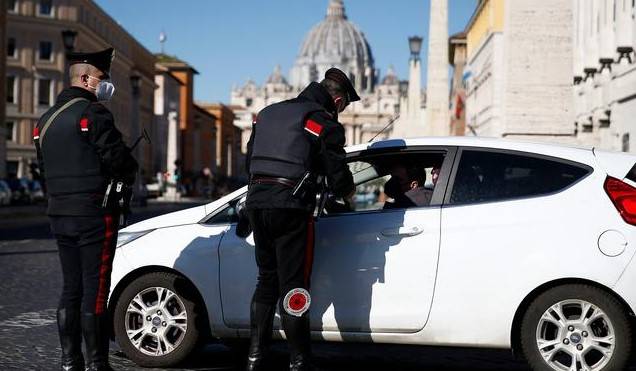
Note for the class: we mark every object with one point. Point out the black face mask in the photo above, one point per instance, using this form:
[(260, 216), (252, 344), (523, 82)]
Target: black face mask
[(392, 188)]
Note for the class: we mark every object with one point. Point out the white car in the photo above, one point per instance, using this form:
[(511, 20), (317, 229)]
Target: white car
[(523, 246)]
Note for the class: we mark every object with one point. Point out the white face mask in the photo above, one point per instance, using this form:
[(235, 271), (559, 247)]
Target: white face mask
[(104, 89)]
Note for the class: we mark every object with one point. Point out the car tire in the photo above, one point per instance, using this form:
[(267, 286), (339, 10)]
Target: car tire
[(573, 324), (158, 322)]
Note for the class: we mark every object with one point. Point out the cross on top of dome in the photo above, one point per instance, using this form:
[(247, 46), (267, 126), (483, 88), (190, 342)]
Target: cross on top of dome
[(336, 9)]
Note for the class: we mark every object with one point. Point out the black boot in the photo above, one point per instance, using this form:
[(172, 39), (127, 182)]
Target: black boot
[(68, 325), (96, 336), (299, 340), (261, 324)]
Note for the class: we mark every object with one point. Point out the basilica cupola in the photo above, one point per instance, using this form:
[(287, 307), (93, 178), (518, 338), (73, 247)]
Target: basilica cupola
[(335, 42)]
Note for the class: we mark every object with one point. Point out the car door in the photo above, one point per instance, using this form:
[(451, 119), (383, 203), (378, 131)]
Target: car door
[(375, 269)]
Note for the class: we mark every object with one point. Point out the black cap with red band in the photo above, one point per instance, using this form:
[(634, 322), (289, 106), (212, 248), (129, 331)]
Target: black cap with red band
[(342, 79)]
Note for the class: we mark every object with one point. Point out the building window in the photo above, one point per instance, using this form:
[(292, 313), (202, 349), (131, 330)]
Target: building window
[(12, 6), (44, 92), (626, 142), (10, 131), (12, 51), (12, 89), (46, 8), (45, 51)]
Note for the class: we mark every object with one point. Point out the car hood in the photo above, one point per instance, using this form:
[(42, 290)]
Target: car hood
[(181, 217)]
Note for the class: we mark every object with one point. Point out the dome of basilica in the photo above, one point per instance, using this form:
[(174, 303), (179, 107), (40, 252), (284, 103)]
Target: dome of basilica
[(335, 42)]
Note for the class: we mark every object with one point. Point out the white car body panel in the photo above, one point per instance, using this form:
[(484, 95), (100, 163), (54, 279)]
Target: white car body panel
[(362, 280), (182, 217), (191, 250), (499, 251), (464, 290), (615, 164)]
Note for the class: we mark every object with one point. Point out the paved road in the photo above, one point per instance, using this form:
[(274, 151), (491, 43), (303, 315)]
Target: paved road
[(30, 282)]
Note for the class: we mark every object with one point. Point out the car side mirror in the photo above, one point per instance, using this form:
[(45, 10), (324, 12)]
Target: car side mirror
[(243, 227)]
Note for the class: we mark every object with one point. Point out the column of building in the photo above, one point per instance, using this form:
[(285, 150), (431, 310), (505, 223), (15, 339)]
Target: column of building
[(605, 73)]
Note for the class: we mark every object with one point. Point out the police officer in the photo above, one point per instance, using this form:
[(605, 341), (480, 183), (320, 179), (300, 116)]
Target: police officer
[(292, 143), (80, 150)]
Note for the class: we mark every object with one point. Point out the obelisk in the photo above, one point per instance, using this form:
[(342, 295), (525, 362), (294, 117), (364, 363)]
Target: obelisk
[(437, 87)]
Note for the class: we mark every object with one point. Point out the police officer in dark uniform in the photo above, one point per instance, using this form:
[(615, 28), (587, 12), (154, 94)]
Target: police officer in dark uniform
[(292, 143), (80, 150)]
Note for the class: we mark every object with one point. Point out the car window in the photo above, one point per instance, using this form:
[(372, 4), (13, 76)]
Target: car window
[(409, 176), (227, 215), (484, 176)]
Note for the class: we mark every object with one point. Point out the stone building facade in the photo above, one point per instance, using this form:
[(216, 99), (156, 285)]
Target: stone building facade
[(604, 72), (3, 97), (198, 133), (228, 140), (166, 136), (519, 64), (35, 71), (334, 42)]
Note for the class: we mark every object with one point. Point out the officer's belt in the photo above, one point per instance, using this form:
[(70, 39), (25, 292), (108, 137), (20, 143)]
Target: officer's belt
[(274, 180)]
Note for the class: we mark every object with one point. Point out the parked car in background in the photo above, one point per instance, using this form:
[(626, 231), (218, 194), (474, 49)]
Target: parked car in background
[(20, 191), (153, 190), (521, 246), (37, 192), (5, 193)]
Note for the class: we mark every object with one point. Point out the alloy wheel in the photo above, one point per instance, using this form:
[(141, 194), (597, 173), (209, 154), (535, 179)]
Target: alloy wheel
[(156, 321), (575, 335)]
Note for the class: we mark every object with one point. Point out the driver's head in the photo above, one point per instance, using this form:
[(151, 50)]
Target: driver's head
[(403, 179)]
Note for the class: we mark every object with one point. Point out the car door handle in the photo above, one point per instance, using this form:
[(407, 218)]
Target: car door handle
[(402, 232)]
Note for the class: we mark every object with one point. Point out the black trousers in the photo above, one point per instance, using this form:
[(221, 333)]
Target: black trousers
[(284, 251), (86, 247)]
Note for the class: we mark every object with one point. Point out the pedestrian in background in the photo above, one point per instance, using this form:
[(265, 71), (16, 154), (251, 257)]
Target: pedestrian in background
[(80, 151)]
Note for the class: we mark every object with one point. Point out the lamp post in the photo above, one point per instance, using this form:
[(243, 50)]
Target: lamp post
[(415, 45), (135, 85), (68, 39)]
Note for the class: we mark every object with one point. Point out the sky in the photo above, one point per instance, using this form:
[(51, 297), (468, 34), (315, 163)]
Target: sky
[(230, 41)]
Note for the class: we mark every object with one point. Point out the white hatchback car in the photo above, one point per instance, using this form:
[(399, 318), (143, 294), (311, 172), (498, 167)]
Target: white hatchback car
[(524, 246)]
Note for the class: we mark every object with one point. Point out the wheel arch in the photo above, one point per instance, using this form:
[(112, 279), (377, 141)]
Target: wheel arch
[(205, 329), (525, 303)]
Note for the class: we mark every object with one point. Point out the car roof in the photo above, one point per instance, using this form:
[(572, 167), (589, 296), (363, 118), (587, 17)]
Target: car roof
[(550, 149)]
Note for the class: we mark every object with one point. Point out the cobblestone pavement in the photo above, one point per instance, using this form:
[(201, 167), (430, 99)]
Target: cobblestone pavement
[(30, 282)]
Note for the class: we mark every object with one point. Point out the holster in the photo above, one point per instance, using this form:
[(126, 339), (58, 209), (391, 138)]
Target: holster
[(117, 199), (306, 188)]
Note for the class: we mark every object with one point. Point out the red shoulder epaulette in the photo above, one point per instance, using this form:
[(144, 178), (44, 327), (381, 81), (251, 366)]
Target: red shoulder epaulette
[(84, 124), (313, 127)]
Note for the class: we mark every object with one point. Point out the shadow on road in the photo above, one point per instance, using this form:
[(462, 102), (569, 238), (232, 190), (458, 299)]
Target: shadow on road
[(49, 251), (347, 356)]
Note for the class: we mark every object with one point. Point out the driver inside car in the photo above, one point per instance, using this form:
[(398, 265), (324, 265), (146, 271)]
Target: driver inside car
[(406, 187)]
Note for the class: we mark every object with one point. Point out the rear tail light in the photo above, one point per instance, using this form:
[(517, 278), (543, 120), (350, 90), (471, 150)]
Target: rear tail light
[(624, 198)]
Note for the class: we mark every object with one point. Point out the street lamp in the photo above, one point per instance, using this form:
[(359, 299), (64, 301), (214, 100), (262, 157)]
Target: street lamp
[(68, 39), (135, 82), (415, 45)]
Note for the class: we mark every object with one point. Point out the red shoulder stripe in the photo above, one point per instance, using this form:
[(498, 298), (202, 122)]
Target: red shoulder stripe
[(36, 133), (313, 127), (84, 124)]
